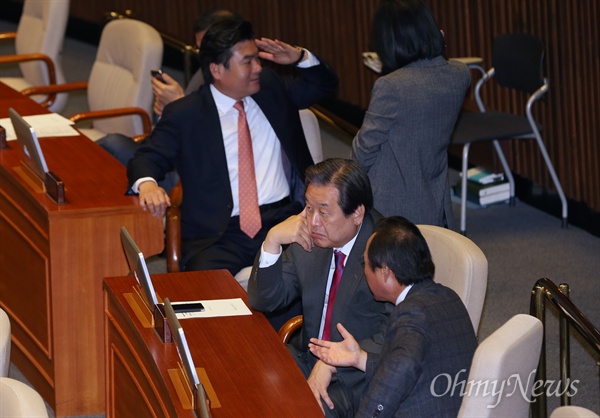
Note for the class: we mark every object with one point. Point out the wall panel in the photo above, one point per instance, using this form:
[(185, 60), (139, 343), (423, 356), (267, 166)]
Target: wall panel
[(338, 31)]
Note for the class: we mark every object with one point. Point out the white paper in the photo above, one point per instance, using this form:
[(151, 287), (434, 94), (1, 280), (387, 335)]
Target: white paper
[(50, 124), (217, 307)]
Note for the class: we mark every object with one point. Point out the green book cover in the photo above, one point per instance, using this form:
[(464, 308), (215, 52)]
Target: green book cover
[(483, 176), (481, 190)]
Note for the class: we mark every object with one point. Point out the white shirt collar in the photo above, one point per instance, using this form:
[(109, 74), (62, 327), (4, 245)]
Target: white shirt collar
[(403, 294), (348, 246), (224, 103)]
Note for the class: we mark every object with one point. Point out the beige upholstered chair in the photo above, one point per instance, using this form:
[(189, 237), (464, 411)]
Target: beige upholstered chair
[(312, 132), (38, 46), (459, 265), (17, 400), (573, 412), (512, 352), (119, 83), (4, 344)]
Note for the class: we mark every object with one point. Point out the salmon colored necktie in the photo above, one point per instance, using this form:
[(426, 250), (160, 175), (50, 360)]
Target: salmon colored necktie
[(250, 221), (335, 282)]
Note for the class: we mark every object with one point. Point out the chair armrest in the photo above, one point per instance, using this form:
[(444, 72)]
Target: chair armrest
[(173, 229), (288, 329), (10, 59), (8, 35), (52, 89), (56, 88), (111, 113)]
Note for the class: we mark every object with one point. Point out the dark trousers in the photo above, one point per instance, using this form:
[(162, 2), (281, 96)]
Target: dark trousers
[(341, 395), (235, 250)]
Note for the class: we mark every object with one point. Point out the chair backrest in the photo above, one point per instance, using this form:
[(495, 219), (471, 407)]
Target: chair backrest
[(459, 265), (42, 29), (573, 411), (120, 75), (19, 400), (312, 132), (518, 59), (4, 344), (511, 352)]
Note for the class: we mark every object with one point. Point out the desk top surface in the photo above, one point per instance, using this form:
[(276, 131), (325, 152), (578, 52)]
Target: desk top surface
[(93, 178), (251, 371)]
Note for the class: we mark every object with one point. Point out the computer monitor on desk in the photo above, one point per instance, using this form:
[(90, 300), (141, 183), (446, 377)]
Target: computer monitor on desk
[(29, 144), (138, 268), (150, 308), (199, 400), (33, 157)]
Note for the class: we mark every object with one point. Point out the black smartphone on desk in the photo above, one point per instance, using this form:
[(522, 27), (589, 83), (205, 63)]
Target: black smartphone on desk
[(182, 307)]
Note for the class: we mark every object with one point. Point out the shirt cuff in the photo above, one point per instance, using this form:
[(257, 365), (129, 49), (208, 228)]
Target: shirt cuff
[(310, 61), (267, 259), (136, 185)]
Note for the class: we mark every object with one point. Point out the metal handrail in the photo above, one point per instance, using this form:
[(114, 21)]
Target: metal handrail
[(186, 50), (545, 291)]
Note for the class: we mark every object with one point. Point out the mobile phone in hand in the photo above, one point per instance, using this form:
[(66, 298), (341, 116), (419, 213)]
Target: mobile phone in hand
[(158, 75)]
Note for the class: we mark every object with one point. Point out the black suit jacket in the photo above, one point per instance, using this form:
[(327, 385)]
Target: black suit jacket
[(188, 138)]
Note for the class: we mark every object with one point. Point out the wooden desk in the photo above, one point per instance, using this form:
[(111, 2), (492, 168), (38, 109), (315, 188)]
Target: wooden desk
[(53, 259), (251, 371)]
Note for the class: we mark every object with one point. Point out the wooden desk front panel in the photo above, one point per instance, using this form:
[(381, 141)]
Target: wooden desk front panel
[(25, 280), (53, 259), (133, 388), (249, 368)]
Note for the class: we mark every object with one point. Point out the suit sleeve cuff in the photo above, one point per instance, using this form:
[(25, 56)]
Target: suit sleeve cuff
[(310, 61)]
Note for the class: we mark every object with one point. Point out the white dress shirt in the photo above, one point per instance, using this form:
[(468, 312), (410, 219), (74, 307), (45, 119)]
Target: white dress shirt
[(403, 294), (346, 250), (272, 185)]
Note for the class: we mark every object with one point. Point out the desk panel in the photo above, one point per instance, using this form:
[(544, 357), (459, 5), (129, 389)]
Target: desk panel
[(53, 258), (251, 371)]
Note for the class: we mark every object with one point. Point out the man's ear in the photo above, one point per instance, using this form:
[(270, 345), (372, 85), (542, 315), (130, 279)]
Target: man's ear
[(386, 273), (216, 70), (358, 215)]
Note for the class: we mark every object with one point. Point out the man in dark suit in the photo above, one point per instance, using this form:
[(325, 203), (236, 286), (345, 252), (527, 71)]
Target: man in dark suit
[(198, 136), (338, 218), (166, 90), (429, 343)]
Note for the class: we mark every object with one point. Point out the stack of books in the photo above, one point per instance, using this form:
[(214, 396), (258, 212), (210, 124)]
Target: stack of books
[(484, 187)]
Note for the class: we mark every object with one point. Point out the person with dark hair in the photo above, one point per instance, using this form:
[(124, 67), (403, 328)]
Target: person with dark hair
[(429, 343), (322, 266), (403, 141), (166, 90), (237, 144)]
